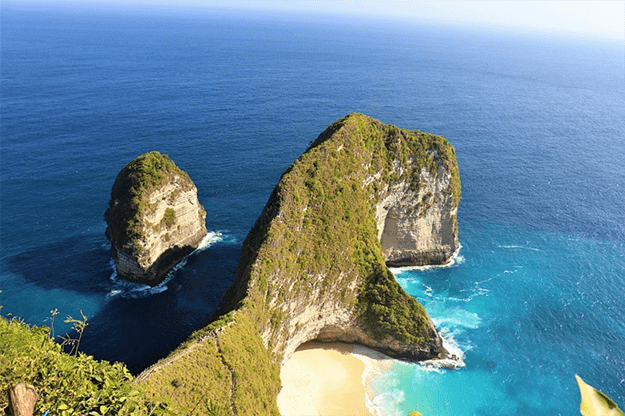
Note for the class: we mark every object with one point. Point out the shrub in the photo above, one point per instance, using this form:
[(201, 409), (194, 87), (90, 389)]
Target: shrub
[(67, 385)]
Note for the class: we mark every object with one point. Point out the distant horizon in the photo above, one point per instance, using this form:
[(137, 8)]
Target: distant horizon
[(593, 19)]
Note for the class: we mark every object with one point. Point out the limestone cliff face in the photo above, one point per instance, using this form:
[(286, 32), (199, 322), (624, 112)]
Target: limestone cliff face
[(364, 195), (314, 266), (418, 227), (154, 218)]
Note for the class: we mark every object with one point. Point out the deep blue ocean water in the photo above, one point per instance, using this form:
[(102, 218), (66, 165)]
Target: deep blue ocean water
[(537, 121)]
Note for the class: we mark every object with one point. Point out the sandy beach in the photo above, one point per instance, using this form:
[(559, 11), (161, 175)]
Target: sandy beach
[(323, 379)]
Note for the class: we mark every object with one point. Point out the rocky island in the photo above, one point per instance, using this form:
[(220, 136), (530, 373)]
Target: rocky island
[(314, 267), (154, 218)]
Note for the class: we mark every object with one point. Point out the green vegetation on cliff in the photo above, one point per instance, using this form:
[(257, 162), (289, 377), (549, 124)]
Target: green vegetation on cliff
[(316, 241), (224, 367), (316, 238), (67, 385), (326, 226), (128, 197)]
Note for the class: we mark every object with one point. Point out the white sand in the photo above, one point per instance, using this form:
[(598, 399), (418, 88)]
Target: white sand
[(323, 380)]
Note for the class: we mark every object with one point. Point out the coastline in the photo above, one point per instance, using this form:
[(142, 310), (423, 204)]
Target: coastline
[(328, 379), (323, 379)]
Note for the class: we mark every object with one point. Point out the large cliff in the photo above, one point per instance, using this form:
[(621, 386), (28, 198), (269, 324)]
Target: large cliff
[(154, 218), (314, 266)]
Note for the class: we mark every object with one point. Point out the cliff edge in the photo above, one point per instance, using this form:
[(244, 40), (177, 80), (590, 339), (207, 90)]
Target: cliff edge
[(364, 195), (314, 266), (154, 218)]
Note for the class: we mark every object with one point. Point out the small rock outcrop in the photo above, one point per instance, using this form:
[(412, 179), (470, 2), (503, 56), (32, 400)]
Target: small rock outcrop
[(154, 218)]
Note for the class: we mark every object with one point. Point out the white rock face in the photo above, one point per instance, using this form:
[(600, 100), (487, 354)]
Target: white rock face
[(148, 241), (328, 319), (410, 184), (417, 228), (177, 237)]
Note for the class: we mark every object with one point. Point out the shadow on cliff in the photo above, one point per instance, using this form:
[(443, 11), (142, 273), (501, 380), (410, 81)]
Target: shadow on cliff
[(132, 327)]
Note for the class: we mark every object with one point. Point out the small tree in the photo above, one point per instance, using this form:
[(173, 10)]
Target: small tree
[(79, 326), (53, 314)]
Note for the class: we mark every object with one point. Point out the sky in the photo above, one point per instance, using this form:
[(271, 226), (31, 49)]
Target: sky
[(592, 18), (604, 18)]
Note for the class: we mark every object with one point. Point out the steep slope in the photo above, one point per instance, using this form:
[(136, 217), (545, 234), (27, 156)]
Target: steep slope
[(154, 218), (314, 264)]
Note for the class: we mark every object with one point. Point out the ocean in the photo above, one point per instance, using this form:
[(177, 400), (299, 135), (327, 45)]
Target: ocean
[(537, 293)]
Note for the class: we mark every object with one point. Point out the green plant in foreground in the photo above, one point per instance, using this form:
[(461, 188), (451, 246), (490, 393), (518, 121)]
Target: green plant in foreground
[(595, 402), (78, 325), (67, 384), (213, 409), (53, 314)]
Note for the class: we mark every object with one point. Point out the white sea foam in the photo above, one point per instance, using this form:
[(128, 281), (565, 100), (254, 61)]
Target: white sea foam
[(383, 394), (127, 289), (210, 239), (387, 403), (386, 399), (114, 292), (477, 291), (520, 247), (455, 359), (226, 238), (458, 319), (375, 364)]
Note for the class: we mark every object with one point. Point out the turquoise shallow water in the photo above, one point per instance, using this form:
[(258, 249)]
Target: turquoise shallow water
[(529, 310), (234, 99)]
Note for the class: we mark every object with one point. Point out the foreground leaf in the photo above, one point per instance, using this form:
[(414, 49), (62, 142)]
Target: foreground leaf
[(596, 403)]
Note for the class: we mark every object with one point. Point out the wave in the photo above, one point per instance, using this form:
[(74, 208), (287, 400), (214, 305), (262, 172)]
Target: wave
[(455, 359), (225, 237), (520, 248), (127, 289), (209, 239), (376, 364), (386, 404), (381, 392), (384, 377), (426, 294), (457, 319), (473, 293), (450, 315)]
